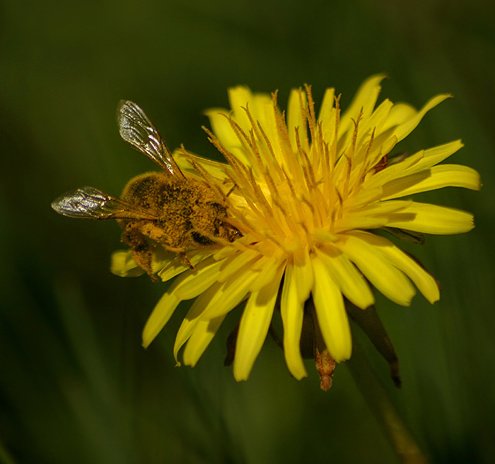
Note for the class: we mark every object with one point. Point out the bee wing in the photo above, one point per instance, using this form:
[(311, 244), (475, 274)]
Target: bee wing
[(136, 129), (91, 203)]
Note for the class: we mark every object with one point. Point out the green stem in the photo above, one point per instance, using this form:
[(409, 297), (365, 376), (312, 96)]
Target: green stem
[(387, 415)]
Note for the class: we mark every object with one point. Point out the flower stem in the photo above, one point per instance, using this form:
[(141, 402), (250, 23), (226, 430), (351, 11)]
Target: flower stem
[(385, 412)]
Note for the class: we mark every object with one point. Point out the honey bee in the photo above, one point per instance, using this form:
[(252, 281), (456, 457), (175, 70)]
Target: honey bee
[(163, 208)]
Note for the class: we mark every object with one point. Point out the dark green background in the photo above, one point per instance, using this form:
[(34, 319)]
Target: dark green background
[(75, 384)]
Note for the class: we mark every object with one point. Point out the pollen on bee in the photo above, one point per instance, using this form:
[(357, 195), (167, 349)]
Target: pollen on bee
[(188, 211), (164, 209)]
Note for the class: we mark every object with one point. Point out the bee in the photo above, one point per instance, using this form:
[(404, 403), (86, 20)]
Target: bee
[(155, 209)]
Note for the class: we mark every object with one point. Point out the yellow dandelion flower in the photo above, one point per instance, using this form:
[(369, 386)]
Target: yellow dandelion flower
[(307, 192)]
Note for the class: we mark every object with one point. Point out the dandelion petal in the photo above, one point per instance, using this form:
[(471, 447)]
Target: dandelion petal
[(378, 270), (192, 318), (202, 335), (422, 279), (433, 219), (444, 175), (292, 319), (403, 130), (330, 311), (159, 317), (348, 278), (254, 326)]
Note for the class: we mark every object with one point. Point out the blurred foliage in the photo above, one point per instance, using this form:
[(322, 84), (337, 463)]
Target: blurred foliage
[(75, 384)]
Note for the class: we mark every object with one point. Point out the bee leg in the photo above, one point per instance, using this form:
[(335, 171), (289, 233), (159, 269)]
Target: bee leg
[(143, 257), (140, 247), (186, 260), (181, 253)]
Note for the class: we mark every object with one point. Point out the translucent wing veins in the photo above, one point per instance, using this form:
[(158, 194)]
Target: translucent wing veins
[(135, 128), (91, 203)]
